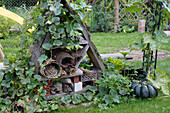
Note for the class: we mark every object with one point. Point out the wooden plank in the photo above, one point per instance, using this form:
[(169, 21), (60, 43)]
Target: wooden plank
[(83, 53), (116, 14), (92, 51), (1, 53)]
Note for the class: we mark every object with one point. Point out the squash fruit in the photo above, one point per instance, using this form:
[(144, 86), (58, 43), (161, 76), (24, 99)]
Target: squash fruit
[(144, 89)]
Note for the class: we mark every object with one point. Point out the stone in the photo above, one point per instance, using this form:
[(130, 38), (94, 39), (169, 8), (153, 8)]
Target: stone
[(67, 81), (67, 88), (141, 26), (57, 86), (53, 92)]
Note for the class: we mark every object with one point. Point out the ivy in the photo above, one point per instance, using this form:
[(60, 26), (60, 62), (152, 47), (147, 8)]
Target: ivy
[(20, 87)]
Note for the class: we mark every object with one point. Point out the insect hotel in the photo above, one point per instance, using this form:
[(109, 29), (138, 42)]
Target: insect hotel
[(61, 69)]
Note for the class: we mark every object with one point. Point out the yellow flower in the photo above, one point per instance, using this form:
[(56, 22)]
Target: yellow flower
[(31, 30)]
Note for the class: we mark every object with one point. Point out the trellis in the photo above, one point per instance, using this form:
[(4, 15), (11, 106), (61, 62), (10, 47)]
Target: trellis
[(123, 15), (10, 4)]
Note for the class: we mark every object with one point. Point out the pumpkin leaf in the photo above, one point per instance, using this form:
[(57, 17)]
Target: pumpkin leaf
[(91, 88), (88, 95), (108, 99), (66, 99), (77, 98), (160, 81)]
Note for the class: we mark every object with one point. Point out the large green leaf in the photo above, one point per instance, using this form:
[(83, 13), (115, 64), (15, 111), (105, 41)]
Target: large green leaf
[(7, 101), (115, 96), (47, 46), (42, 58), (66, 99), (56, 20), (38, 77), (148, 38), (160, 81), (77, 26), (88, 95), (5, 83), (41, 20), (54, 106), (81, 14), (52, 29), (25, 80), (58, 4), (57, 11), (57, 42), (41, 33), (91, 88), (77, 98), (130, 9), (1, 75), (108, 99)]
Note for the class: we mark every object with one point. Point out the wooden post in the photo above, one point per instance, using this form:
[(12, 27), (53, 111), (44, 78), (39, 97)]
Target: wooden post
[(1, 53), (168, 18), (116, 14), (141, 26)]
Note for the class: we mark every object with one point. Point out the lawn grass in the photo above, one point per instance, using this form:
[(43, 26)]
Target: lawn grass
[(155, 105), (10, 45), (108, 42)]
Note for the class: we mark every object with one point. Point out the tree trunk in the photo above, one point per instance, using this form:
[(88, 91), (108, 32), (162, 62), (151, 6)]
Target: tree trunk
[(37, 51)]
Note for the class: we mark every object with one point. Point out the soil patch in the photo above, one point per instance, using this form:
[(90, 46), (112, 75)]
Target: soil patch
[(138, 54)]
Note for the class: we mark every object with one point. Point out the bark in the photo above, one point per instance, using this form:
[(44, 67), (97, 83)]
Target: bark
[(37, 51)]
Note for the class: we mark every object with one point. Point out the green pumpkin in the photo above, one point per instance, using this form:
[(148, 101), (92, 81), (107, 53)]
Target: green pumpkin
[(144, 90)]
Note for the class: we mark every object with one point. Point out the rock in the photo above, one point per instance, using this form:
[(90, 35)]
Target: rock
[(53, 92), (67, 88), (67, 81), (56, 88)]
